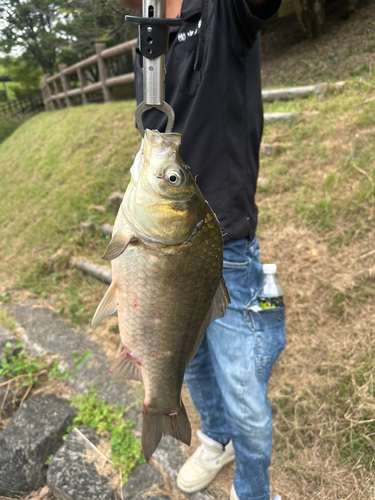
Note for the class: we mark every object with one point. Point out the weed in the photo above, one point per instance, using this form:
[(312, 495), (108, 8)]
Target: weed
[(6, 320), (108, 420), (4, 297), (17, 363)]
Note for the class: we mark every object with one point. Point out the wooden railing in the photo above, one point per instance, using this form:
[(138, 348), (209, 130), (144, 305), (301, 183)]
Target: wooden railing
[(56, 89), (24, 105)]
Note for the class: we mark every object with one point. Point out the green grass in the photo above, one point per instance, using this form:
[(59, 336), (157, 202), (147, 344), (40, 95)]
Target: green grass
[(8, 125), (6, 320), (16, 363), (53, 169), (327, 162), (126, 451)]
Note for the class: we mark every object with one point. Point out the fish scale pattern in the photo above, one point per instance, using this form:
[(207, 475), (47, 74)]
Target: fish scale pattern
[(165, 294)]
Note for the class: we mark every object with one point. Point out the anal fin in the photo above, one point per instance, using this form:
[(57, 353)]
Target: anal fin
[(125, 368), (107, 306)]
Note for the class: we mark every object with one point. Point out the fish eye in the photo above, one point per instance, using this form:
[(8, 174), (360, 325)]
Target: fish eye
[(175, 177)]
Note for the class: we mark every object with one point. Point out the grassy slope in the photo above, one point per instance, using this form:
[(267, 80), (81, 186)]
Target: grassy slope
[(316, 221), (346, 49), (53, 168)]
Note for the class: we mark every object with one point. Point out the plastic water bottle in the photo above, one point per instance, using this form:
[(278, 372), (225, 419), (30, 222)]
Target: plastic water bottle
[(270, 294)]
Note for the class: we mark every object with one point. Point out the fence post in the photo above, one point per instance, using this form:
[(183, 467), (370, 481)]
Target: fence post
[(83, 82), (103, 72), (57, 91), (46, 94), (51, 105), (65, 84)]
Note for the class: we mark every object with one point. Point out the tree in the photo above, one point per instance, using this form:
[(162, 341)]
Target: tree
[(99, 21), (55, 31), (311, 13), (311, 16), (24, 72), (36, 28)]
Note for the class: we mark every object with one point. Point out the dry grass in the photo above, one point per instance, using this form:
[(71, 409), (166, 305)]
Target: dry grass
[(317, 223), (346, 49), (317, 218)]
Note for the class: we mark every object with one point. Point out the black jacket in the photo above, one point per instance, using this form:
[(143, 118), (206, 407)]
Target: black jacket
[(220, 118)]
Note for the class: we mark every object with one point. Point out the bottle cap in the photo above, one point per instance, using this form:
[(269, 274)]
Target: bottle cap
[(269, 268)]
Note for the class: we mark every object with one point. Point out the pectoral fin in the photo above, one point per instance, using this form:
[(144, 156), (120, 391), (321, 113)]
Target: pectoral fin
[(107, 306), (217, 310), (117, 245), (220, 302)]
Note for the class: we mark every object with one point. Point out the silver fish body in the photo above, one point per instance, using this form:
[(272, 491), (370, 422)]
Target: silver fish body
[(166, 254)]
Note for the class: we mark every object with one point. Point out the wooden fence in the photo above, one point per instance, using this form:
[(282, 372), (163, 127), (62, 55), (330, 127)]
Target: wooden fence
[(24, 105), (57, 92)]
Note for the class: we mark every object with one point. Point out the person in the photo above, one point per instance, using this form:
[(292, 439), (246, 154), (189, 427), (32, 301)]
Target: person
[(220, 117)]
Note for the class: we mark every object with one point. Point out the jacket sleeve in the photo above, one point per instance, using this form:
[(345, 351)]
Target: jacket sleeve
[(240, 24)]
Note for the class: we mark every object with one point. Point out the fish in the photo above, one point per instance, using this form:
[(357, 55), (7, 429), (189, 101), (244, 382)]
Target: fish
[(166, 255)]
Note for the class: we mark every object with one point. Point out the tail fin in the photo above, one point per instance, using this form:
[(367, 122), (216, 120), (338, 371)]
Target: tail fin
[(155, 425)]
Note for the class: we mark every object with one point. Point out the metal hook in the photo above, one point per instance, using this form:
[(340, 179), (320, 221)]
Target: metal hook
[(165, 108)]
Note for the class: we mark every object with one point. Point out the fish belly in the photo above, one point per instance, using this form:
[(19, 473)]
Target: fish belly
[(164, 294)]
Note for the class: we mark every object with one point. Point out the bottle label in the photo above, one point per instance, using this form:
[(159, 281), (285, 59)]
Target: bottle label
[(270, 302)]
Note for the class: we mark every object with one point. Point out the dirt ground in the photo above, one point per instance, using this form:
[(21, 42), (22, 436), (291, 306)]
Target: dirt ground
[(346, 49)]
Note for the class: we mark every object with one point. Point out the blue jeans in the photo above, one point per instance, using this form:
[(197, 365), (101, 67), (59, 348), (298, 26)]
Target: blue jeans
[(228, 376)]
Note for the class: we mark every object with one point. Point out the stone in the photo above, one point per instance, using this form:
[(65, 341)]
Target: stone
[(88, 226), (98, 208), (47, 330), (158, 497), (114, 200), (33, 434), (171, 455), (107, 229), (59, 260), (141, 479), (72, 474)]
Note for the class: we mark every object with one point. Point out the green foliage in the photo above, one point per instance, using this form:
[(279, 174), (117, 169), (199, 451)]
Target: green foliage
[(6, 320), (8, 125), (108, 420), (34, 27), (25, 72), (48, 33), (4, 297), (99, 21), (15, 363)]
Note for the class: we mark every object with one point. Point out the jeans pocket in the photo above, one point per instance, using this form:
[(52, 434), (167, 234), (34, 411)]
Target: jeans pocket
[(269, 338)]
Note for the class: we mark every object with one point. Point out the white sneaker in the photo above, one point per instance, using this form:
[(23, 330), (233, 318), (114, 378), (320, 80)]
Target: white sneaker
[(233, 495), (201, 468)]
